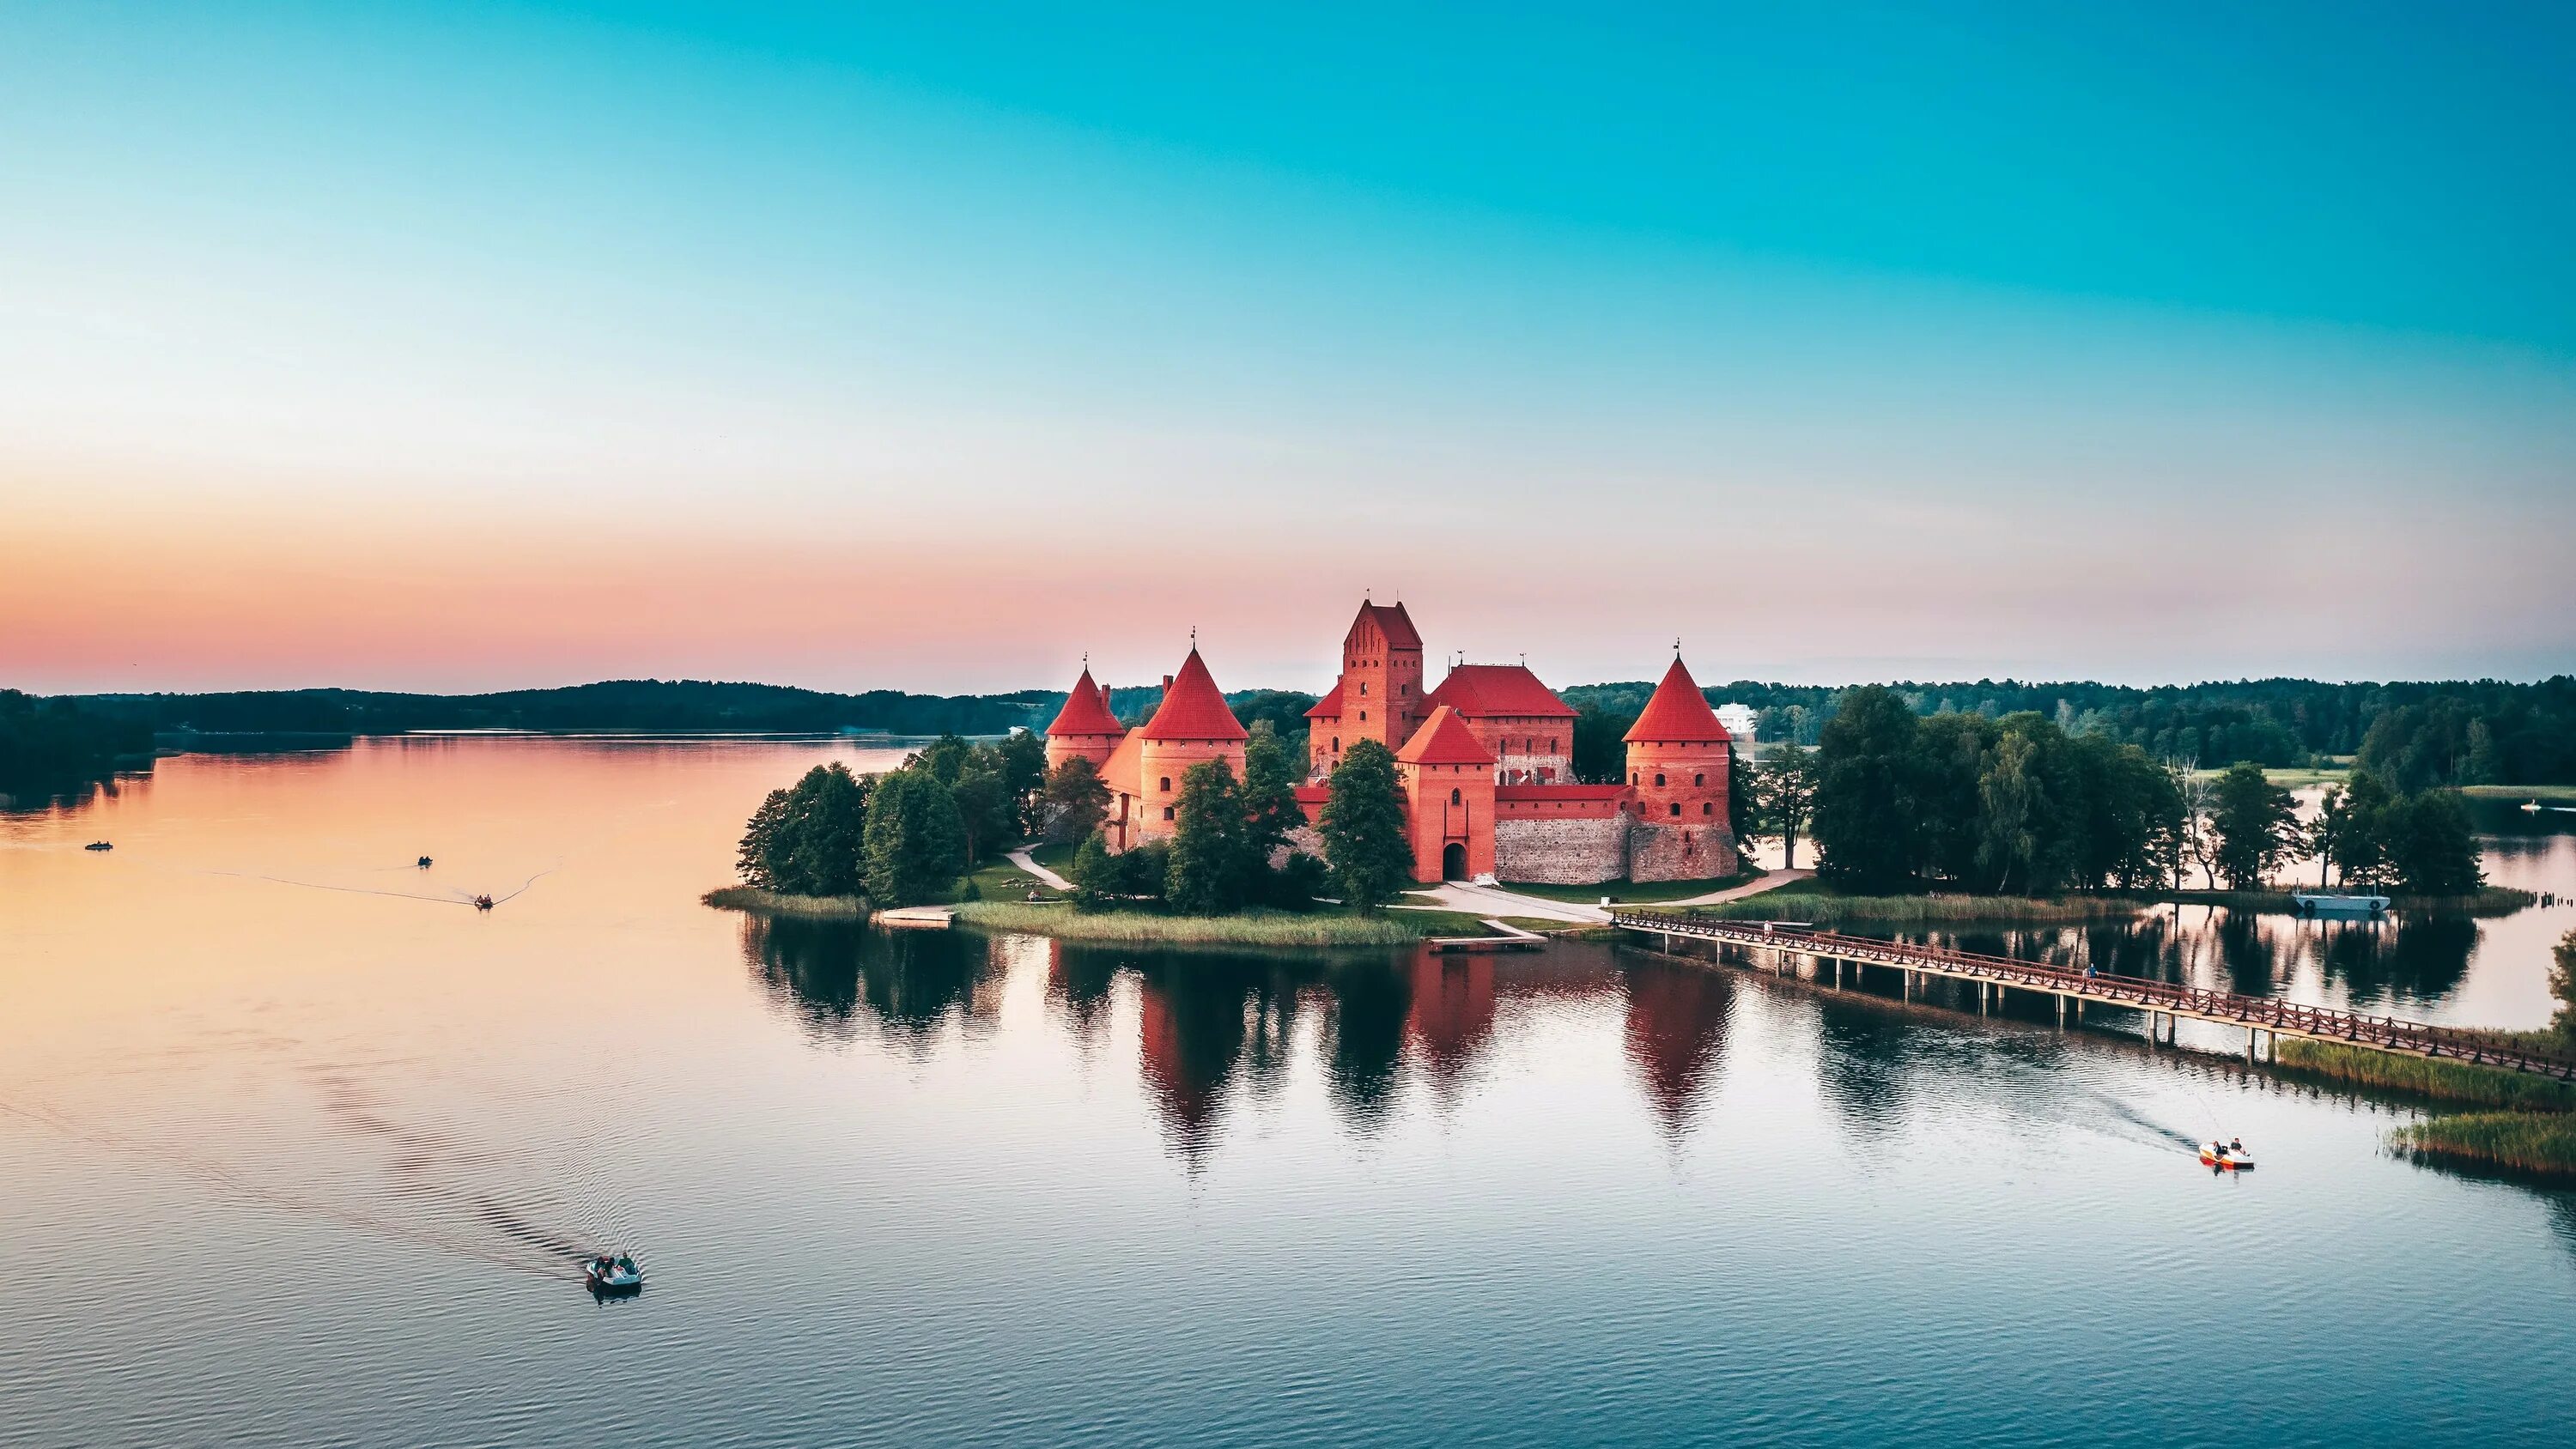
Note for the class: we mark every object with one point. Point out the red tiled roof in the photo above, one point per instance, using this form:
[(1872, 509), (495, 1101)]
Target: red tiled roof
[(1314, 794), (1444, 739), (1484, 691), (1544, 793), (1678, 713), (1193, 708), (1330, 706), (1085, 712), (1123, 771), (1393, 622)]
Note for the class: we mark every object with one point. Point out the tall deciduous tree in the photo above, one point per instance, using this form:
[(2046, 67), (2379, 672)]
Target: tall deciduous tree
[(1363, 827), (986, 809), (2256, 824), (1075, 802), (1865, 806), (914, 846), (1270, 810), (1786, 796), (2562, 984), (1207, 874), (1022, 762)]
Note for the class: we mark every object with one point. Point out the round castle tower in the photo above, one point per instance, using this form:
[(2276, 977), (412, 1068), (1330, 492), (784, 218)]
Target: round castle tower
[(1084, 729), (1678, 758)]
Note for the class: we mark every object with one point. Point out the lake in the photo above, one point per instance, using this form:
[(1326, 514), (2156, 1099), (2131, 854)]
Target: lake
[(299, 1148)]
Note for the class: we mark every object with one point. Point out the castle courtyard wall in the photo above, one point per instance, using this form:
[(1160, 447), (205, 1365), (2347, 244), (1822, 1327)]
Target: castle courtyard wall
[(1567, 850)]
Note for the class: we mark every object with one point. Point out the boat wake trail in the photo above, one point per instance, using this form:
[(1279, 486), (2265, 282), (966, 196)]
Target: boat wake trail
[(313, 885), (426, 1189)]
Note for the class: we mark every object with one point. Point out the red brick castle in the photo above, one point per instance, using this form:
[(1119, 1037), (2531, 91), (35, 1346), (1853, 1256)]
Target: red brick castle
[(1483, 763)]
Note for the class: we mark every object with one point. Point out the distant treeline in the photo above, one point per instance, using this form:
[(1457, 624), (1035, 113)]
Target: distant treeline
[(2480, 732), (49, 746), (624, 704)]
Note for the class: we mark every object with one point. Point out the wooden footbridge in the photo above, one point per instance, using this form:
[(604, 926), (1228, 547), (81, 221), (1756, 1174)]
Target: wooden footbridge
[(1994, 975)]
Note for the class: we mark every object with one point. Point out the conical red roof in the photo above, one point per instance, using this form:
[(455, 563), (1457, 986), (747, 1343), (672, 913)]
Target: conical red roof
[(1193, 708), (1444, 739), (1085, 712), (1678, 714)]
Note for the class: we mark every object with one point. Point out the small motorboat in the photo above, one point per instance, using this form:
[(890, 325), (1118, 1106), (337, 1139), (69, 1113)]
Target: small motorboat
[(424, 862), (606, 1274), (2228, 1156), (482, 903), (99, 845), (2531, 809), (2338, 903)]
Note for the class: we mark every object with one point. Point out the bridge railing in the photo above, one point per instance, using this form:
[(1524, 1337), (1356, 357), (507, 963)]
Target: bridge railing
[(2263, 1011)]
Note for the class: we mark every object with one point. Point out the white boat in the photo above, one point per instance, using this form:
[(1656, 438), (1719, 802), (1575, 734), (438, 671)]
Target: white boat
[(2531, 809), (605, 1274), (2337, 903), (2228, 1156)]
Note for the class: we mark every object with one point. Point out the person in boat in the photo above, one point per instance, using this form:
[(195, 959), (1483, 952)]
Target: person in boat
[(2235, 1144)]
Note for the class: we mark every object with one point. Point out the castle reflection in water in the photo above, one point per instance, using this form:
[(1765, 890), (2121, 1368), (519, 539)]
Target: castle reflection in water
[(1215, 1032)]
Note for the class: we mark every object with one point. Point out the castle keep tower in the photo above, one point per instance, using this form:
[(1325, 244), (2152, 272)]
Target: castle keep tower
[(1677, 763), (1379, 694), (1084, 728)]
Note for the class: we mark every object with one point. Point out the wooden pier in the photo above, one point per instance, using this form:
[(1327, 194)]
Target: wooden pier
[(1506, 937), (2163, 1002)]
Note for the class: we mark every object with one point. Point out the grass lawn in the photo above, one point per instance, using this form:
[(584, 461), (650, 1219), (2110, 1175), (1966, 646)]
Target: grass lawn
[(1813, 900), (1054, 857), (999, 880), (1630, 893)]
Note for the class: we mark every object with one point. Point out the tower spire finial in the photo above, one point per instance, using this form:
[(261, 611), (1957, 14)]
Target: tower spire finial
[(1677, 646)]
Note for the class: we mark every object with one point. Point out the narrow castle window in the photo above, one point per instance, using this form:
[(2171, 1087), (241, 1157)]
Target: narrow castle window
[(1699, 779), (1455, 797), (1707, 808), (1363, 686), (1167, 784), (1659, 779), (1677, 808), (1363, 716), (1167, 812), (1337, 744)]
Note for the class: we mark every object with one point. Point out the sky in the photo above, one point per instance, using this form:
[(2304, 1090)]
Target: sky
[(461, 347)]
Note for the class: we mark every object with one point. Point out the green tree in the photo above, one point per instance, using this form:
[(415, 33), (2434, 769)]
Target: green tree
[(2256, 823), (1599, 752), (1075, 802), (1270, 809), (2430, 845), (914, 845), (942, 758), (2562, 985), (986, 809), (812, 846), (1865, 803), (1785, 796), (1021, 758), (1095, 873), (2011, 809), (2361, 832), (1207, 875), (1363, 827), (759, 839)]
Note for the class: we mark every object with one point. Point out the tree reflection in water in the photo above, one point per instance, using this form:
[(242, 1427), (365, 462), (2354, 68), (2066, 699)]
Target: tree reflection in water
[(912, 983), (2406, 964)]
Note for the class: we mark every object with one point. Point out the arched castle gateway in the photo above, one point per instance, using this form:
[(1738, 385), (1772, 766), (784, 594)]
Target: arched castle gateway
[(1483, 761)]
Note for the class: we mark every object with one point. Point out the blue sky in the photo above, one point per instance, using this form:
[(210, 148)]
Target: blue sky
[(920, 348)]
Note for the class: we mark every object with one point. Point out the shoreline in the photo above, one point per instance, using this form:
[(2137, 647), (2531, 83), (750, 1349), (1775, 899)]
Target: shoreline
[(1258, 927), (1792, 904), (752, 901)]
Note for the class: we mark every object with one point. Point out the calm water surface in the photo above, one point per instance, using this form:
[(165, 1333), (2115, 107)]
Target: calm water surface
[(295, 1148)]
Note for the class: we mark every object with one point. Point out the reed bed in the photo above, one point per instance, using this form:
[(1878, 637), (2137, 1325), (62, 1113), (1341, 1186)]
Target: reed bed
[(2441, 1080), (772, 903), (1249, 928), (2540, 1143)]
